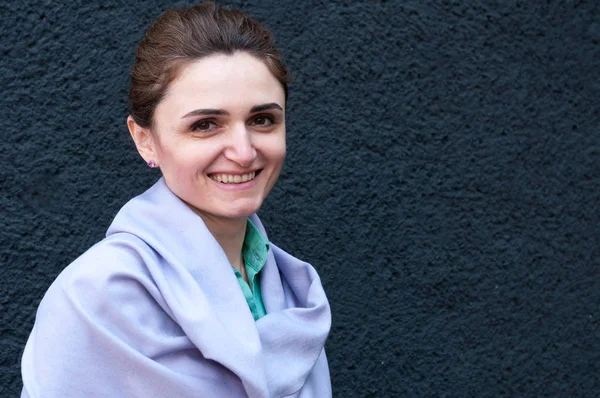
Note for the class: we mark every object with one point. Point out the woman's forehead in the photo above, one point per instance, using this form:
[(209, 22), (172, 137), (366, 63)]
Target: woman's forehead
[(226, 79)]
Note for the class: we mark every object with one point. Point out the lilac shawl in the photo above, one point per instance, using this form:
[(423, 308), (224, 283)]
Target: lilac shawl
[(154, 310)]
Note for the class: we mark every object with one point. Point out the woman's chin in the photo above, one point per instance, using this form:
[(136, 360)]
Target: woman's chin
[(235, 210), (242, 211)]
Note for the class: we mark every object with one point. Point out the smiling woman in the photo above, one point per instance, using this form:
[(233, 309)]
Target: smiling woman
[(186, 296), (222, 120)]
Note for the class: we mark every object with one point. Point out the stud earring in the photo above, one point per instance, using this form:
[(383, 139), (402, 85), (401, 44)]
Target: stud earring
[(152, 164)]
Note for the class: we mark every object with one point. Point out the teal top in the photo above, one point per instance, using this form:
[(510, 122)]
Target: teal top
[(254, 253)]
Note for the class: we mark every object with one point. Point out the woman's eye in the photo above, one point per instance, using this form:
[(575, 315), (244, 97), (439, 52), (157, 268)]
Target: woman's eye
[(262, 121), (204, 125)]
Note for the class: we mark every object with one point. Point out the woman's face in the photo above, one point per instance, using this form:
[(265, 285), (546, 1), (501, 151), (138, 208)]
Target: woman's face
[(219, 135)]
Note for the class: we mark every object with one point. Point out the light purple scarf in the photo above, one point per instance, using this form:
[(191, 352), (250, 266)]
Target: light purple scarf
[(154, 310)]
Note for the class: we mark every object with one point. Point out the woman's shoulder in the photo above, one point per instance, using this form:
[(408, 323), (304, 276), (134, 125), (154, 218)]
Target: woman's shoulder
[(104, 315), (117, 258), (108, 288), (110, 280)]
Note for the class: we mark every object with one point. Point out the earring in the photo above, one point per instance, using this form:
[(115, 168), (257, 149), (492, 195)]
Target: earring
[(152, 164)]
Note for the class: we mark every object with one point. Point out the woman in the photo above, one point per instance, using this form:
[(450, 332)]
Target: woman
[(186, 297)]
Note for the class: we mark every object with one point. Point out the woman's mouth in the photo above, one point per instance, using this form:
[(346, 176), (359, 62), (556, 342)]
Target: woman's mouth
[(233, 178)]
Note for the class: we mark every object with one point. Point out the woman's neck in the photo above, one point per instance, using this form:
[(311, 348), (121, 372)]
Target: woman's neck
[(229, 233)]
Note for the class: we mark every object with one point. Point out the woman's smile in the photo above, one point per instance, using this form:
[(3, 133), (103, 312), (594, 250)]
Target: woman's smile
[(230, 178), (236, 182)]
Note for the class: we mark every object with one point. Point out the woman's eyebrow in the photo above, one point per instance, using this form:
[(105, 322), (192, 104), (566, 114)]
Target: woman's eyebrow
[(221, 112), (204, 112), (264, 107)]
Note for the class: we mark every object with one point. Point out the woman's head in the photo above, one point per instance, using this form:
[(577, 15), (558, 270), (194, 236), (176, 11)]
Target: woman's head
[(208, 107), (182, 36)]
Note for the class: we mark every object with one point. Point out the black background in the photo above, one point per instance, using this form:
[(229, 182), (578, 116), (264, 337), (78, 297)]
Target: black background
[(442, 176)]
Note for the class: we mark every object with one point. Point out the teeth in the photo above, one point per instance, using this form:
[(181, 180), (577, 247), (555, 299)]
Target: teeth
[(233, 179)]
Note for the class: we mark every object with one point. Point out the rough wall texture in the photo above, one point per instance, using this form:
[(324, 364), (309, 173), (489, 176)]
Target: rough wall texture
[(442, 176)]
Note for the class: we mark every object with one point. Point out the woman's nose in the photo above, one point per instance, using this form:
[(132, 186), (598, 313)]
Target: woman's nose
[(240, 148)]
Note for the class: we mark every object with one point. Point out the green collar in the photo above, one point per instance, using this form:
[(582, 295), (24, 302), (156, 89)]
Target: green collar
[(254, 250)]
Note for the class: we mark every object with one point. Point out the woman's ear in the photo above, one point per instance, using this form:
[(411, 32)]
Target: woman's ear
[(143, 140)]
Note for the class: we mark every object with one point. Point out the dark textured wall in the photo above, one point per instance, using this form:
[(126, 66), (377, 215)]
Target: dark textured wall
[(442, 176)]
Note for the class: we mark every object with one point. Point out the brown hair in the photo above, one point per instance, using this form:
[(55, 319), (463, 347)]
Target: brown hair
[(181, 36)]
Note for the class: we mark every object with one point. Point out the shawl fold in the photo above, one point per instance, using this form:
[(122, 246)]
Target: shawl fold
[(154, 310)]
